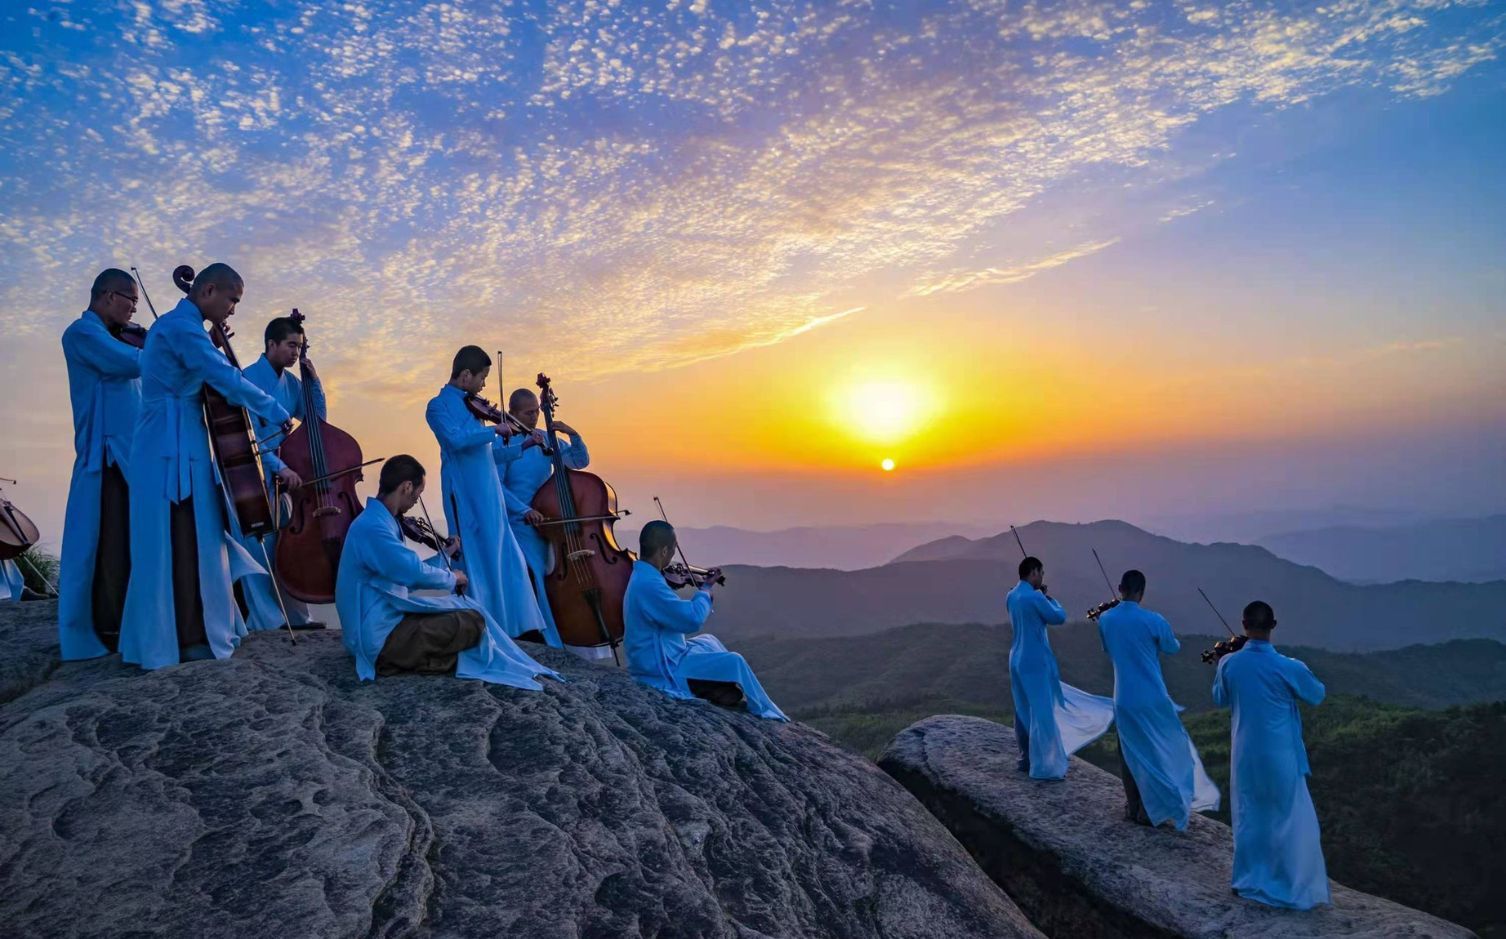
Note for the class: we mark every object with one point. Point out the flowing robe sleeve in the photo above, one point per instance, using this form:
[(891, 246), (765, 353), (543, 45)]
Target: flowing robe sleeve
[(670, 611), (575, 454), (106, 354), (396, 562), (208, 364), (1220, 689), (1166, 640), (457, 431), (1304, 683), (1050, 612)]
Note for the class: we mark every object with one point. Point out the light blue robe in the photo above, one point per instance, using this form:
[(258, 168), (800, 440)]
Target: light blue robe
[(522, 472), (493, 561), (371, 595), (1278, 853), (170, 462), (104, 387), (1160, 755), (657, 621), (1059, 718), (287, 391), (12, 582)]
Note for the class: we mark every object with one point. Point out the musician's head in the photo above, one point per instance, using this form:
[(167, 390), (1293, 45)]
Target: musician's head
[(1259, 619), (216, 291), (469, 370), (113, 297), (1032, 571), (1132, 586), (401, 483), (656, 544), (284, 340), (524, 405)]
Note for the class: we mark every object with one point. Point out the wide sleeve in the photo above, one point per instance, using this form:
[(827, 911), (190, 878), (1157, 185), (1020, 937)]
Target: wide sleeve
[(515, 503), (1051, 612), (395, 562), (508, 450), (101, 351), (668, 611), (1303, 682), (1166, 640), (576, 456), (456, 431), (316, 392), (1220, 690), (270, 437), (209, 365)]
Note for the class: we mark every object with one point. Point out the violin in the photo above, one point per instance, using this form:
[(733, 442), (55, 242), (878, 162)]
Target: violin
[(1101, 609), (680, 574), (1224, 646), (1107, 605), (330, 461), (132, 334), (589, 580), (419, 531), (17, 532), (232, 440), (489, 412)]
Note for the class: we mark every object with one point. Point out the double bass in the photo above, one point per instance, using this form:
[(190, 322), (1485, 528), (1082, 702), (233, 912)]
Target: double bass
[(329, 460), (232, 440), (589, 579)]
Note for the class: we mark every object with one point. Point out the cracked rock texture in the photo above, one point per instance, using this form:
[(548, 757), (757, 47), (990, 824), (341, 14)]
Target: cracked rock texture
[(1065, 853), (273, 794)]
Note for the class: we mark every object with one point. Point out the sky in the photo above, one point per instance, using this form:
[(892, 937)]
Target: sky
[(1066, 260)]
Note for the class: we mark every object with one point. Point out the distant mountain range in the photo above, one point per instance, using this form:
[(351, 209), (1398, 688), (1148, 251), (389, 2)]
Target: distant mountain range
[(1466, 549), (837, 547), (963, 580)]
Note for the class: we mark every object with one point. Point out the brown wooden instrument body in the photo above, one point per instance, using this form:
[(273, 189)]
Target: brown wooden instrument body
[(591, 570), (232, 441), (17, 532), (308, 549)]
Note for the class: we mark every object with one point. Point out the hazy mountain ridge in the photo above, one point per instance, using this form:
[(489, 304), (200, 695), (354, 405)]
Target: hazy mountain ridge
[(1469, 550), (961, 580), (833, 547)]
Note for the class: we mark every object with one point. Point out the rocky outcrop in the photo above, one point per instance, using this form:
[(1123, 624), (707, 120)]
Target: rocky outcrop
[(274, 794), (1064, 853)]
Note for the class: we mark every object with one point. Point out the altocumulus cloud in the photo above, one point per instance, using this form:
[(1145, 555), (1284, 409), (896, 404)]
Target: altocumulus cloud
[(630, 186)]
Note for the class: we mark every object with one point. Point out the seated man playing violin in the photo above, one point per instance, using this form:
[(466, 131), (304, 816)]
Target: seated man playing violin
[(657, 622), (386, 629)]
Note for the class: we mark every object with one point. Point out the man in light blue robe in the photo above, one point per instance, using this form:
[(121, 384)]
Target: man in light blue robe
[(656, 622), (473, 502), (1164, 780), (283, 341), (522, 471), (1278, 853), (386, 629), (104, 387), (1052, 719), (183, 559)]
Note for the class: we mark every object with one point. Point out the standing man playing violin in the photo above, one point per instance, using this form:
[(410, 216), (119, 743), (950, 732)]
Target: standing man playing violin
[(523, 468), (183, 560), (469, 451), (283, 344), (104, 387)]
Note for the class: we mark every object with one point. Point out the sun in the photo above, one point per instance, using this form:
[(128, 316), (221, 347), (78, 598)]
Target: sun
[(888, 464)]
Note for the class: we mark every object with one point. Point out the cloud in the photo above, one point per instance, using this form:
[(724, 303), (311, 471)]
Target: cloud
[(614, 186)]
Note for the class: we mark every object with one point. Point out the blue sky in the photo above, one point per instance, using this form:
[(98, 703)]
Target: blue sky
[(622, 190)]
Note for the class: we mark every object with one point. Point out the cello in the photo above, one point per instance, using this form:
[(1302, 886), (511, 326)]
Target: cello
[(589, 579), (308, 549), (18, 535), (232, 440)]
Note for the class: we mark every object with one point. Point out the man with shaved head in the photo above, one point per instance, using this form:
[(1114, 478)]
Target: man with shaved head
[(183, 560), (523, 469), (104, 387)]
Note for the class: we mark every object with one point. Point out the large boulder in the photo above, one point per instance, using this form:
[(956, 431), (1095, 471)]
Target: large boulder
[(274, 794), (1065, 854)]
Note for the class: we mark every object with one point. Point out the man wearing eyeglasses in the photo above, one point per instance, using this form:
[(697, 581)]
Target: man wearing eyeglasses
[(104, 383)]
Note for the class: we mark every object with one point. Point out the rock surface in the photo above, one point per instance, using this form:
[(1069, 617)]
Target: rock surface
[(274, 794), (1065, 854)]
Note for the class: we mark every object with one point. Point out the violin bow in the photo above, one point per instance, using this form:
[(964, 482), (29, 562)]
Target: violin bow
[(1216, 612), (1017, 541), (678, 547), (144, 295), (1105, 574)]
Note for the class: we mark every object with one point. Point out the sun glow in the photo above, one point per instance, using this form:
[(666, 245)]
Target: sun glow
[(887, 465), (882, 411)]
